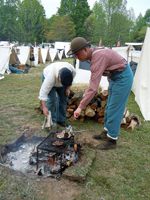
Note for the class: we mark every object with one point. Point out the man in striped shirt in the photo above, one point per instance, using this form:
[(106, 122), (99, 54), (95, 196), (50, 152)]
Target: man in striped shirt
[(105, 62)]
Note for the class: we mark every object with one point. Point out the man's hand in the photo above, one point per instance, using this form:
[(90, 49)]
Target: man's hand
[(67, 91), (45, 110), (77, 113)]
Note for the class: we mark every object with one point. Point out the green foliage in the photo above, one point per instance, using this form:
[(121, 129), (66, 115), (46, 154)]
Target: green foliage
[(141, 34), (140, 27), (111, 20), (7, 18), (78, 10), (30, 20), (147, 17), (62, 29), (107, 20)]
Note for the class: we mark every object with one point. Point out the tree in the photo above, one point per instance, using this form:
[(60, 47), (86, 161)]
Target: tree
[(139, 24), (147, 17), (66, 7), (89, 27), (62, 29), (78, 10), (141, 34), (30, 20), (8, 10), (112, 20)]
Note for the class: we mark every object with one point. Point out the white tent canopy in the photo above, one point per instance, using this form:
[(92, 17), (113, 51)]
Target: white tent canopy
[(52, 53), (123, 51), (5, 52), (61, 45), (141, 83), (133, 44), (67, 48), (23, 53), (60, 54), (44, 52)]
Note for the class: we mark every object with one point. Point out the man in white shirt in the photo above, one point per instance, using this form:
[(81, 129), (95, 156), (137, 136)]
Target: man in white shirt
[(56, 77)]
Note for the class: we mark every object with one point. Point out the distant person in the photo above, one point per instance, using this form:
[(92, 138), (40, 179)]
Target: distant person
[(57, 78), (105, 62), (29, 44)]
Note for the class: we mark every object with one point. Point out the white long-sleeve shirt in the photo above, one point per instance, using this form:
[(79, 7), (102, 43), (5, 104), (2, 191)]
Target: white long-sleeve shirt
[(51, 78)]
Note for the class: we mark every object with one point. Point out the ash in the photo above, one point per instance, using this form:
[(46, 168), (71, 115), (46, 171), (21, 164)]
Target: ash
[(19, 160), (50, 164)]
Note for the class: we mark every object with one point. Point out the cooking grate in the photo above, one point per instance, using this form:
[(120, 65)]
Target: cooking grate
[(47, 144)]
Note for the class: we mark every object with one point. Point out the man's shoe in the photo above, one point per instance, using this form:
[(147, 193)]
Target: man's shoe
[(64, 124), (102, 136), (109, 144)]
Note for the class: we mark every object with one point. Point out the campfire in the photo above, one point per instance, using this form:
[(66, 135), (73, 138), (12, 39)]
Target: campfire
[(47, 157)]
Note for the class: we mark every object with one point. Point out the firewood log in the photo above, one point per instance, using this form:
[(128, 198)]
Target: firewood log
[(123, 120), (103, 103), (101, 120), (77, 102), (68, 114), (94, 105), (104, 95), (98, 109), (67, 107), (135, 117), (132, 125), (82, 119), (77, 95), (126, 113), (73, 106), (70, 110), (82, 113), (125, 125), (89, 111), (96, 117), (101, 113)]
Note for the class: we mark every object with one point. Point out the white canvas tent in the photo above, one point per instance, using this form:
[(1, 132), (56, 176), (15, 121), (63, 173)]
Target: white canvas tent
[(43, 54), (141, 83), (23, 53), (52, 53), (35, 52), (65, 46), (60, 54), (123, 51), (5, 52)]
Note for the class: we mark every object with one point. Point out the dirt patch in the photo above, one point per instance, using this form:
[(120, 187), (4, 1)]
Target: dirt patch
[(45, 187), (86, 139)]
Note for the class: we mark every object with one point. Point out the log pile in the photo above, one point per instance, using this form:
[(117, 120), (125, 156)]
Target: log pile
[(129, 121), (95, 109)]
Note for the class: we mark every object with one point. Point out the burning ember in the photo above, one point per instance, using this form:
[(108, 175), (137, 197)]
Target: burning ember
[(48, 158)]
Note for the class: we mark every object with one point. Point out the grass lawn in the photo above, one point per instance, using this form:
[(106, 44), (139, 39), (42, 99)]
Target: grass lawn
[(120, 174)]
